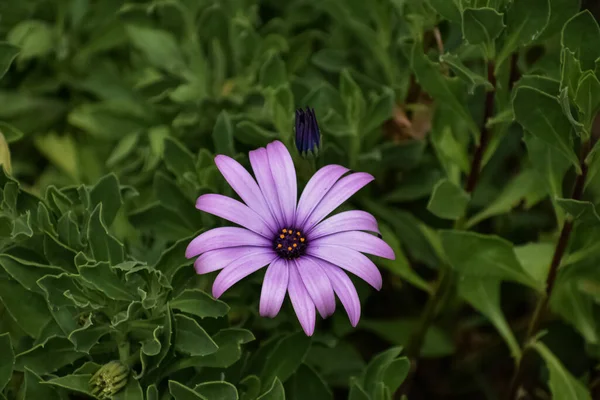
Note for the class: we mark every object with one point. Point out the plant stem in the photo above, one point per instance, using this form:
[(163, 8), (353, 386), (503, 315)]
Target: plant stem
[(484, 140), (559, 252)]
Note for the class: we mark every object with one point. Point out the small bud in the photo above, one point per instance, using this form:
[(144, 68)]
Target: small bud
[(308, 136), (109, 379)]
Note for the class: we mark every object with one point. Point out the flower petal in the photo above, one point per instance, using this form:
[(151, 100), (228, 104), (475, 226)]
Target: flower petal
[(245, 186), (301, 301), (339, 193), (234, 211), (359, 241), (274, 288), (317, 284), (345, 290), (239, 269), (284, 176), (354, 220), (215, 260), (316, 188), (228, 236), (259, 159), (350, 260)]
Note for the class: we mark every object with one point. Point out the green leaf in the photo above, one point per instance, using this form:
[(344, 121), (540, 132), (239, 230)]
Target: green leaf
[(8, 52), (357, 393), (307, 384), (525, 22), (287, 355), (199, 303), (108, 193), (34, 387), (563, 385), (178, 159), (275, 392), (575, 307), (27, 273), (123, 149), (535, 259), (158, 46), (448, 91), (31, 315), (10, 132), (484, 295), (181, 392), (34, 38), (587, 98), (437, 343), (548, 162), (88, 335), (447, 9), (103, 245), (104, 278), (542, 116), (395, 373), (580, 35), (484, 256), (560, 12), (448, 200), (567, 108), (48, 357), (380, 110), (272, 73), (133, 391), (570, 72), (7, 361), (374, 373), (191, 338), (152, 392), (249, 133), (222, 135), (77, 383), (401, 266), (330, 60), (217, 390), (511, 195), (353, 99), (580, 210), (472, 79), (481, 25)]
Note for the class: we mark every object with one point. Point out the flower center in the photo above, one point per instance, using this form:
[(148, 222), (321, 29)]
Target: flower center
[(289, 244)]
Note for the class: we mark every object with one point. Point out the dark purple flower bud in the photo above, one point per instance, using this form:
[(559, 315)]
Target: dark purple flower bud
[(308, 136)]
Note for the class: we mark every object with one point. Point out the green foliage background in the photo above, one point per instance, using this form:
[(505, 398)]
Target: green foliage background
[(477, 118)]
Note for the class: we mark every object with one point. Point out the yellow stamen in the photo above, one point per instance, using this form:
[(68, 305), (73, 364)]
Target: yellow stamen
[(302, 239), (282, 236), (289, 249), (279, 246), (298, 233), (295, 245), (284, 231)]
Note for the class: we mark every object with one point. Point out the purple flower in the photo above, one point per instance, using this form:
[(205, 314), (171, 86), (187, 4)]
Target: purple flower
[(307, 254), (308, 136)]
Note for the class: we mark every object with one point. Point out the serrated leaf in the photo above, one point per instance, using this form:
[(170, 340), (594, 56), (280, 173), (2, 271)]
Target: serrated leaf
[(448, 200), (484, 256), (484, 295), (48, 357), (447, 9), (104, 278), (579, 35), (103, 246), (31, 315), (25, 272), (542, 116), (587, 98), (583, 211), (525, 21), (34, 387), (133, 391), (563, 385), (107, 192), (77, 383)]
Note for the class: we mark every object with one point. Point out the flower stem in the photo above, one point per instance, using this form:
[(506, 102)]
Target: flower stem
[(559, 252)]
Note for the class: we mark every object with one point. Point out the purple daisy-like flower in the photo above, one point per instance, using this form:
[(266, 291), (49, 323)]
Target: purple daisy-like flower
[(306, 253)]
